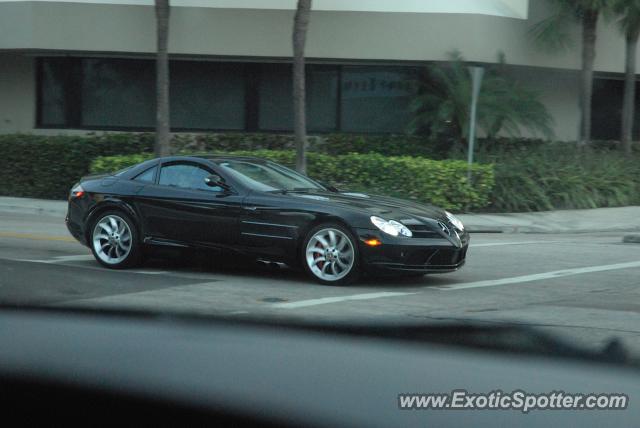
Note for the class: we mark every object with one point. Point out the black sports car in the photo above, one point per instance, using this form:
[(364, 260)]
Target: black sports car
[(264, 210)]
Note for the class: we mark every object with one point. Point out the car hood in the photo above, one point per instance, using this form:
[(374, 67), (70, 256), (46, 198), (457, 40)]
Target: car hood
[(408, 212)]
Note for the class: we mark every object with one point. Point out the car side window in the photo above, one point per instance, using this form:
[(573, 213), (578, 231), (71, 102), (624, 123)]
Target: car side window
[(186, 176), (147, 176)]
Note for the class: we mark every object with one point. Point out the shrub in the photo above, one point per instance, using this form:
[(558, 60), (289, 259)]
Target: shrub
[(47, 166), (443, 99), (561, 176), (443, 183), (335, 144)]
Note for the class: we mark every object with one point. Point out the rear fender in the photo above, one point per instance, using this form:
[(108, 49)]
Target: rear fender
[(113, 204)]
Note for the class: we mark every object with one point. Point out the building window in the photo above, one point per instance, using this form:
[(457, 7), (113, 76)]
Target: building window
[(275, 86), (54, 78), (276, 91), (606, 110), (207, 95), (119, 94)]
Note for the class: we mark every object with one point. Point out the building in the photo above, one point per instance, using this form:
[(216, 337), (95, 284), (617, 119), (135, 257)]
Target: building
[(87, 65)]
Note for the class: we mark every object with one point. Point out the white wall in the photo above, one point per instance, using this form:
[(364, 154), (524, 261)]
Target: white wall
[(55, 27), (344, 35), (506, 8), (560, 91)]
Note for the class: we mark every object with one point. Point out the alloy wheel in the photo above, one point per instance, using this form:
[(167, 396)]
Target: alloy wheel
[(112, 239), (330, 254)]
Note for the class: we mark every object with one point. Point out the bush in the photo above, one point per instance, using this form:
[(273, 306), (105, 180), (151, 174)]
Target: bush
[(336, 144), (47, 166), (530, 175), (442, 183), (550, 176)]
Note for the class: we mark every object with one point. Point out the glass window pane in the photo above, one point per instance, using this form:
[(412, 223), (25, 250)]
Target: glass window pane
[(607, 109), (207, 95), (375, 99), (276, 92), (147, 176), (52, 95), (186, 177), (322, 98), (275, 107), (118, 93)]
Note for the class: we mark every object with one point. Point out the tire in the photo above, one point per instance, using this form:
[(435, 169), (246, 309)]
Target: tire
[(341, 250), (114, 240)]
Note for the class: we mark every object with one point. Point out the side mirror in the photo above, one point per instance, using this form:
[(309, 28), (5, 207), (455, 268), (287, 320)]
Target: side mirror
[(216, 181)]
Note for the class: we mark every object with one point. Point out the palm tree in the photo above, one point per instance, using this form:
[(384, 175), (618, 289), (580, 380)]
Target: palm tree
[(552, 34), (300, 27), (628, 12), (441, 105), (162, 78)]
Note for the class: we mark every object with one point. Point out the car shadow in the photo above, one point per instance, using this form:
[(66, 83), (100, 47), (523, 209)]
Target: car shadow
[(204, 263)]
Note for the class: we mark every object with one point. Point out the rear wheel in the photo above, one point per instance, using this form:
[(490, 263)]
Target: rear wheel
[(114, 241), (330, 255)]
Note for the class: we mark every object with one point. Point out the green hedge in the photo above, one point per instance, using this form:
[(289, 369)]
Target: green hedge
[(530, 175), (47, 166), (337, 144), (562, 176), (443, 183)]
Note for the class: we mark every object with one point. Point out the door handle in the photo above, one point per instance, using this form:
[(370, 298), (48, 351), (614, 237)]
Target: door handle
[(250, 208)]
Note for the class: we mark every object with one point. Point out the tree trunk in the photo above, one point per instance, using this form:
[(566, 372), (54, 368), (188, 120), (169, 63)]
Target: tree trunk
[(589, 24), (162, 78), (300, 26), (628, 104)]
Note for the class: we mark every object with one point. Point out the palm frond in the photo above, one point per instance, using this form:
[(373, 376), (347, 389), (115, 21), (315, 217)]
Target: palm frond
[(443, 99), (552, 34)]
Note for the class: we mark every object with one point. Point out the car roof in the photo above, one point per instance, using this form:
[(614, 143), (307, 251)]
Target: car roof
[(214, 157)]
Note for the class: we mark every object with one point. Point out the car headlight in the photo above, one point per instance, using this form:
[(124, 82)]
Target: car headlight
[(455, 221), (391, 227)]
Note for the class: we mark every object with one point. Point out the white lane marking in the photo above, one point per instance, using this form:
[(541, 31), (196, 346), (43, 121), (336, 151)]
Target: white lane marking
[(538, 276), (148, 272), (501, 244), (60, 259), (97, 267), (327, 300)]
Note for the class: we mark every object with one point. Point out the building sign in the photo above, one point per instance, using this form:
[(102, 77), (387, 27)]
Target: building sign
[(375, 84)]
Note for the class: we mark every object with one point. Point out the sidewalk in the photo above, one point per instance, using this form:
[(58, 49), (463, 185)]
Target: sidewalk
[(624, 219)]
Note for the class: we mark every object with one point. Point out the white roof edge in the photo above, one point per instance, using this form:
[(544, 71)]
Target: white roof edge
[(503, 8)]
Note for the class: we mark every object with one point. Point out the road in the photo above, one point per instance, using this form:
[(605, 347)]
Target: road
[(583, 287)]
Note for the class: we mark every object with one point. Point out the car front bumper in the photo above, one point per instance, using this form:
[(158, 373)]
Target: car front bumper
[(412, 255)]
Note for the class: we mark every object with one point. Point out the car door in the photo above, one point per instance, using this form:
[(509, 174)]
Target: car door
[(180, 208), (272, 225)]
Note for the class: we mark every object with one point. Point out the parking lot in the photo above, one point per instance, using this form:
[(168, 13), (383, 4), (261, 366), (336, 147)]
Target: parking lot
[(581, 286)]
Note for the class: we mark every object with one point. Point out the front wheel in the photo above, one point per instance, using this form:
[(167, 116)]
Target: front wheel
[(114, 241), (331, 255)]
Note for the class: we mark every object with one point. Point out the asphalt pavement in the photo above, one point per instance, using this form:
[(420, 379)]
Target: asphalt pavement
[(583, 287)]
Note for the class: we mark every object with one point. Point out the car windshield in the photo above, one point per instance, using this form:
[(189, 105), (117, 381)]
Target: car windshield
[(267, 176)]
